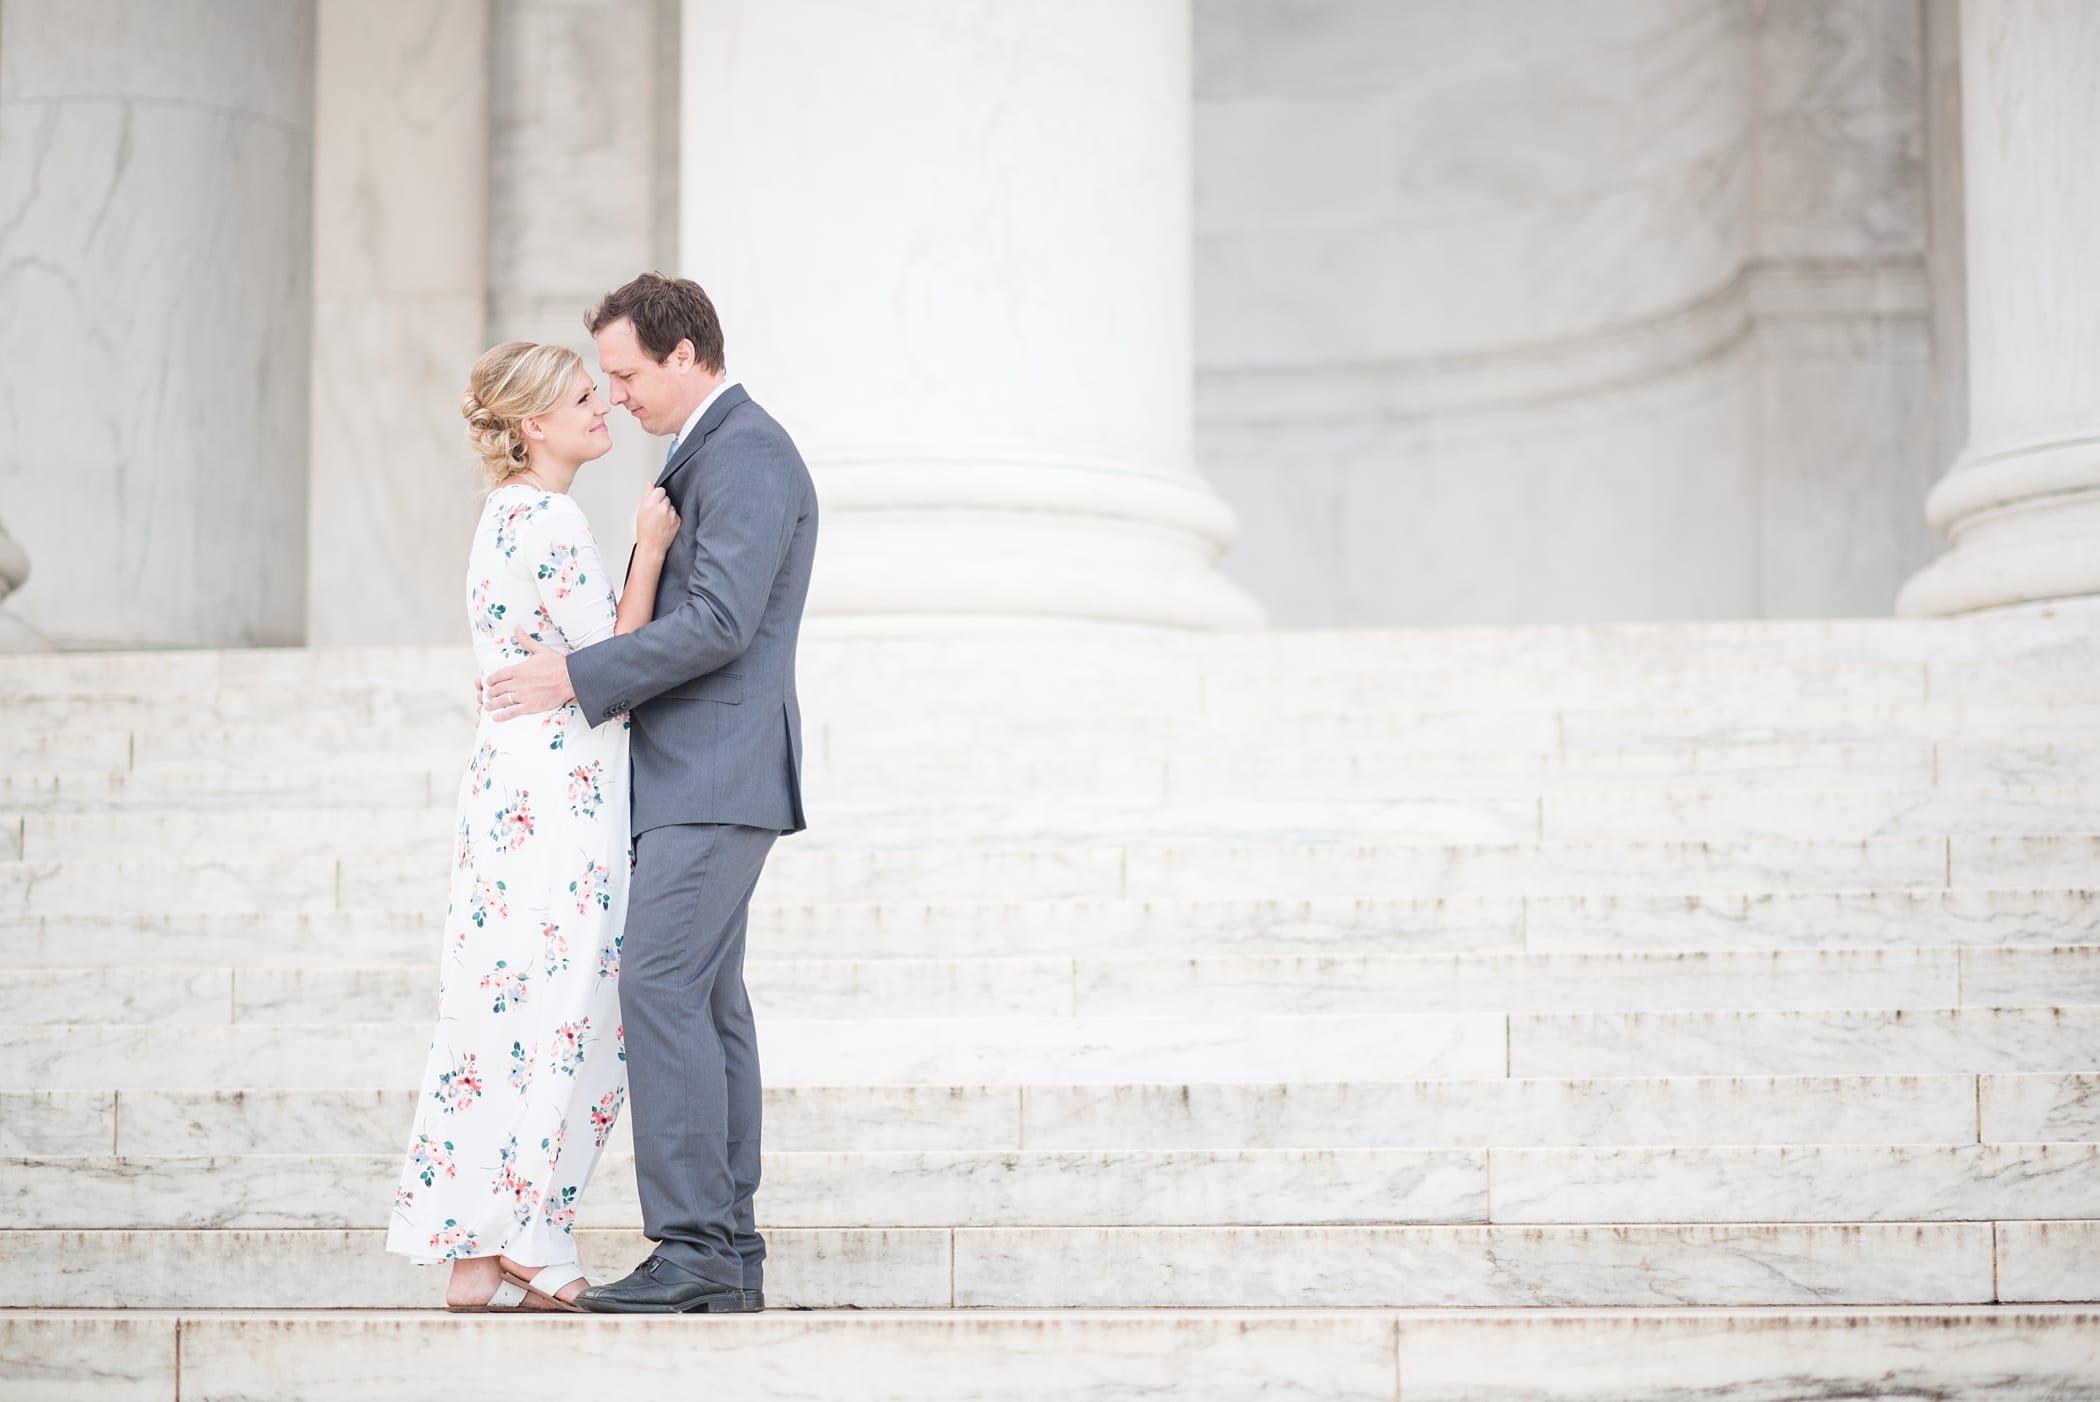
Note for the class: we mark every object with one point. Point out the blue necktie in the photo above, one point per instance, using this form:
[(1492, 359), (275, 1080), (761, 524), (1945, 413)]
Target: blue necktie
[(670, 452)]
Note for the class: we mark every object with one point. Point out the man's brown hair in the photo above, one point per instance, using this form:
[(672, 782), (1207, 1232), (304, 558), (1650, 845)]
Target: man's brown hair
[(665, 311)]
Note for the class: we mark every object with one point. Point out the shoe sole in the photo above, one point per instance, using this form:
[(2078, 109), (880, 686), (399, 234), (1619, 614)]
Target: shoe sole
[(743, 1302), (729, 1304)]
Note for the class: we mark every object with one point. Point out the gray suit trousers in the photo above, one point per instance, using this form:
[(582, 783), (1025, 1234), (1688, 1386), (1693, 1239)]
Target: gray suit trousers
[(692, 1047)]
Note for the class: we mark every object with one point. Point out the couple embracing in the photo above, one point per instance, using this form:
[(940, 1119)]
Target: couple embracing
[(638, 752)]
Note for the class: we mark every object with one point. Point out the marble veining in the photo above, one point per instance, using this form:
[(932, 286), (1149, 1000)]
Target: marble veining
[(1475, 1266)]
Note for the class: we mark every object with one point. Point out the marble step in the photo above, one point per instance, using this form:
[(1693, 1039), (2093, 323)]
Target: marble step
[(1400, 1114), (1806, 1043), (1220, 685), (162, 1268), (804, 1190), (1148, 1188), (441, 685), (1019, 735), (1107, 1051), (804, 874), (1949, 658), (1187, 987), (1677, 1264), (1340, 770), (1686, 922), (1123, 773), (873, 1051), (1950, 1354), (1269, 870), (1796, 1183), (1787, 814), (1366, 758), (1801, 814), (828, 645)]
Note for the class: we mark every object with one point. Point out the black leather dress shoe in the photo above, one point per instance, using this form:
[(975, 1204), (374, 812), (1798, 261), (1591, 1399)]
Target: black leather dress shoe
[(658, 1287)]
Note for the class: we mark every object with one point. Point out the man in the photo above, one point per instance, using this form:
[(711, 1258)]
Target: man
[(717, 747)]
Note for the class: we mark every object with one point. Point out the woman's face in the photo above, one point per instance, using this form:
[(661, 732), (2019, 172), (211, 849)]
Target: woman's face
[(574, 430)]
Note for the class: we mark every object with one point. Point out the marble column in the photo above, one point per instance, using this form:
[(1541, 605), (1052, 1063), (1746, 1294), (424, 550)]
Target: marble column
[(401, 173), (2022, 503), (583, 193), (951, 244), (15, 636), (155, 288)]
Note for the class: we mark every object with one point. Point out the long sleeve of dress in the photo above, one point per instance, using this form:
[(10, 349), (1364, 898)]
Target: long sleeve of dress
[(577, 606)]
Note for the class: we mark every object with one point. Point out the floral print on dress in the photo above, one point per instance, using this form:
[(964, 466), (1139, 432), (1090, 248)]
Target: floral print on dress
[(538, 896), (460, 1087), (455, 1241), (605, 1114), (568, 1046), (561, 1209), (428, 1159), (488, 612), (488, 898), (522, 1065), (507, 986), (512, 827), (585, 792), (480, 770), (512, 519), (517, 1185), (563, 571), (595, 885), (554, 949)]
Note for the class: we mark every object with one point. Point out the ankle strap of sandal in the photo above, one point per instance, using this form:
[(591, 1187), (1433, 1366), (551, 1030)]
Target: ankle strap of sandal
[(551, 1280)]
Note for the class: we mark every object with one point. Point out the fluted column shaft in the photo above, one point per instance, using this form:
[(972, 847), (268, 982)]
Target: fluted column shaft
[(2022, 505), (950, 241)]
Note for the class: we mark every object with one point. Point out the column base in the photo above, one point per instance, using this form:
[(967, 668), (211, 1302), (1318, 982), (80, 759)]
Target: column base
[(15, 635), (1023, 539), (2025, 528)]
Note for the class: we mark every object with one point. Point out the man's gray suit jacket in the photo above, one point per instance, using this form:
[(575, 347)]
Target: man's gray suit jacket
[(711, 681)]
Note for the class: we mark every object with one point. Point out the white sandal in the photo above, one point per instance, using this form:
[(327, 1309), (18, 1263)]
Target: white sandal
[(546, 1282), (508, 1299)]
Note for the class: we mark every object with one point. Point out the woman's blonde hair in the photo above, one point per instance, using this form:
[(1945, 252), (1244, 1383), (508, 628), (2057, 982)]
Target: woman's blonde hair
[(510, 383)]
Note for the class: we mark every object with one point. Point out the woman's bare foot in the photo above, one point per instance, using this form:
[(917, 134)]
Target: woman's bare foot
[(473, 1283), (567, 1294), (475, 1280)]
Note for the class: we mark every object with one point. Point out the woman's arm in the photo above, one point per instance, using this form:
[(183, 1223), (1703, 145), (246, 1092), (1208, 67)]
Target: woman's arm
[(654, 526)]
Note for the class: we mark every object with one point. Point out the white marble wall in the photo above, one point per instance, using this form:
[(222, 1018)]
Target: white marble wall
[(399, 275), (155, 295), (583, 193), (1529, 311)]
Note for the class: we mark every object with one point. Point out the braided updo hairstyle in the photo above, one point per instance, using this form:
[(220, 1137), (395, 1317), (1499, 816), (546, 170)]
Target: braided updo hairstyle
[(508, 384)]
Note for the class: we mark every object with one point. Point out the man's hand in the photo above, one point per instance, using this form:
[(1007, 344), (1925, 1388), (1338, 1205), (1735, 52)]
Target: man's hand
[(539, 683)]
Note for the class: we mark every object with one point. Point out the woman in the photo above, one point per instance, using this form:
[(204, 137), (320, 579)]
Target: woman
[(526, 1077)]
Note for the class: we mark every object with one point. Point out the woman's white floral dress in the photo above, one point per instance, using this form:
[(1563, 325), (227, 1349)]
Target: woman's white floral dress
[(527, 1074)]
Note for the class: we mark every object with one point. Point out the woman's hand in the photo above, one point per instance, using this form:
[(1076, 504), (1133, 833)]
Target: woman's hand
[(656, 522)]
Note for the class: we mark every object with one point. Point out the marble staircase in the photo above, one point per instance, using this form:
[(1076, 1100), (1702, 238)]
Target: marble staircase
[(1624, 1012)]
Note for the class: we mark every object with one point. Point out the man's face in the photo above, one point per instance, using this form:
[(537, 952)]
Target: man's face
[(658, 393)]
